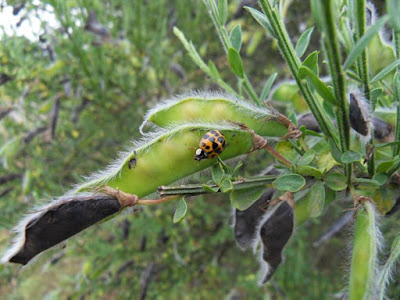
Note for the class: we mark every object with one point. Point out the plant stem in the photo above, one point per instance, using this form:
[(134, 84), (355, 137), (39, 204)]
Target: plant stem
[(331, 46), (279, 157), (197, 189), (396, 148), (362, 67), (250, 90), (293, 62), (157, 201)]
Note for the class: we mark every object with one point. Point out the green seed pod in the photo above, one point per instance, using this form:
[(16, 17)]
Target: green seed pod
[(364, 257), (167, 157), (216, 108)]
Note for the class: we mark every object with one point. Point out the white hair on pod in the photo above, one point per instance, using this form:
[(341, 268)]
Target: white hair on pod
[(240, 104), (143, 145), (264, 266)]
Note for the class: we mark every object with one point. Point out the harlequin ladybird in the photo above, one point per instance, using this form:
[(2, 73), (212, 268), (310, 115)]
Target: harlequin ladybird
[(211, 145)]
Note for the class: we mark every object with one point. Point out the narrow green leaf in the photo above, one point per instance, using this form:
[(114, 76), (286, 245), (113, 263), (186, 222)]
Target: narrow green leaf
[(303, 42), (375, 94), (335, 151), (311, 61), (307, 158), (226, 185), (223, 11), (243, 199), (367, 181), (235, 62), (236, 37), (217, 173), (260, 18), (317, 199), (180, 211), (363, 42), (385, 71), (386, 273), (213, 71), (289, 182), (318, 84), (267, 87), (350, 156), (387, 144), (336, 181)]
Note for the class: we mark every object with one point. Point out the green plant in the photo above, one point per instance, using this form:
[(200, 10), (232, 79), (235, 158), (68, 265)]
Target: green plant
[(314, 166)]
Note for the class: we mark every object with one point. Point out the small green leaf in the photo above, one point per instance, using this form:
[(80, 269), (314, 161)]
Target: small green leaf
[(210, 189), (367, 181), (180, 211), (235, 62), (385, 71), (267, 87), (311, 62), (289, 182), (375, 94), (309, 171), (335, 151), (350, 156), (260, 18), (381, 178), (226, 185), (387, 144), (303, 42), (217, 173), (363, 42), (318, 84), (336, 181), (385, 166), (223, 11), (213, 71), (236, 37), (307, 158), (243, 199), (386, 273), (317, 199)]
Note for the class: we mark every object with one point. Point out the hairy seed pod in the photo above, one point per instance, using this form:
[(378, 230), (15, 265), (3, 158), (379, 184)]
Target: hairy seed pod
[(360, 119), (167, 157), (216, 108), (364, 257)]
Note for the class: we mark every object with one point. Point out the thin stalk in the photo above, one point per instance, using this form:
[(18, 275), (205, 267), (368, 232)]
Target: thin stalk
[(362, 68), (396, 148), (331, 46), (279, 157), (197, 189), (250, 91), (293, 62)]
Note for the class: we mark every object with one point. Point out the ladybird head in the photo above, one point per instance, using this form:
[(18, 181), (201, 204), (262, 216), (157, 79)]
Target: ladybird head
[(200, 154)]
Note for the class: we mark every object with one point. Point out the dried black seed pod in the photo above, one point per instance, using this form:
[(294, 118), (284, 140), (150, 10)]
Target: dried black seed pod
[(360, 119), (246, 222), (57, 222), (274, 234), (309, 122)]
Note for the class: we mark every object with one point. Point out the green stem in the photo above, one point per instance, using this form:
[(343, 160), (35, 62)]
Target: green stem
[(293, 62), (250, 91), (363, 71), (396, 148), (331, 46), (197, 189)]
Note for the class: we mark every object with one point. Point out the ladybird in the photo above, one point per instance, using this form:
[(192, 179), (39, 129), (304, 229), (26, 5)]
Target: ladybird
[(211, 145)]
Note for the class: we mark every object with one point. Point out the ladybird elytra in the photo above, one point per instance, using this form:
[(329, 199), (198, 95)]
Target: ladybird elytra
[(211, 145)]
